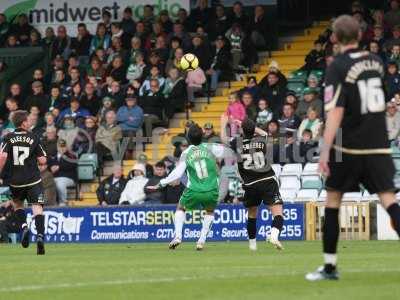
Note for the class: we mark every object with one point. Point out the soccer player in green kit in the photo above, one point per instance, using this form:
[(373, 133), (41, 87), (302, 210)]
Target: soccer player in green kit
[(199, 163)]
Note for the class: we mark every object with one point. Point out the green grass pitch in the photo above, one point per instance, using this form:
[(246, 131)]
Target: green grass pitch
[(369, 270)]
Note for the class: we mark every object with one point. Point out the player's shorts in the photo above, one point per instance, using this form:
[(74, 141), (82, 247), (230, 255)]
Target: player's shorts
[(191, 200), (32, 194), (375, 172), (266, 191)]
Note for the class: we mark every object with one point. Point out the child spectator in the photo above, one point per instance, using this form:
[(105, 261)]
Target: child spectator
[(308, 146), (264, 114), (394, 55), (194, 82), (235, 36), (236, 113)]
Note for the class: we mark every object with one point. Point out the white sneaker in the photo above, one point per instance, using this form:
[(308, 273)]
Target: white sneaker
[(320, 274), (174, 243), (276, 243), (253, 245), (199, 246)]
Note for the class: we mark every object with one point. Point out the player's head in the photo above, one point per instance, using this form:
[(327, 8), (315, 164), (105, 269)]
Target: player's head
[(20, 119), (248, 127), (195, 134), (347, 30)]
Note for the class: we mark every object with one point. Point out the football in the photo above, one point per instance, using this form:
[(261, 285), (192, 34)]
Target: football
[(189, 62)]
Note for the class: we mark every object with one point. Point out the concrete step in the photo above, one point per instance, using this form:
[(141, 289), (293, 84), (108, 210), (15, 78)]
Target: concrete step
[(287, 53), (284, 61)]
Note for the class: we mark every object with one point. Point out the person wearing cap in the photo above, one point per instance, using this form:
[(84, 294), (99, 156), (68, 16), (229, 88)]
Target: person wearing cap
[(392, 78), (209, 135), (110, 189), (75, 111), (221, 63), (133, 193), (130, 116), (310, 99), (38, 98), (63, 166)]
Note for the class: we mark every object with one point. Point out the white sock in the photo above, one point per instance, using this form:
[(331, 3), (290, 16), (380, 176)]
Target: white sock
[(330, 259), (274, 234), (207, 222), (180, 217), (253, 243)]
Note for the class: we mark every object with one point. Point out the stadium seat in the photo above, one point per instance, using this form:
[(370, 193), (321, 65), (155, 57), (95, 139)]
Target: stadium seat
[(311, 182), (307, 195), (352, 196), (277, 169), (396, 162), (87, 166), (310, 169), (296, 87), (292, 169), (288, 195), (322, 196), (290, 182)]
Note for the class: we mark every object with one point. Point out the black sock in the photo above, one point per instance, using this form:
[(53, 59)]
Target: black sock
[(39, 223), (330, 234), (251, 228), (20, 216), (277, 222), (394, 212)]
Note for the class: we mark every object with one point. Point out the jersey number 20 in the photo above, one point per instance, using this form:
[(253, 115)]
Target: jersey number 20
[(371, 95), (253, 161), (20, 154)]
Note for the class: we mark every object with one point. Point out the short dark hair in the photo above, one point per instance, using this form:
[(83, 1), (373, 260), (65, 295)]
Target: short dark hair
[(346, 29), (160, 164), (106, 13), (18, 117), (195, 134), (248, 127), (308, 131), (128, 9), (81, 25)]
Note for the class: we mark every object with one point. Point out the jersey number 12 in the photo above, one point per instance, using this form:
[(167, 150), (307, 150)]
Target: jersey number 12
[(371, 95), (20, 154)]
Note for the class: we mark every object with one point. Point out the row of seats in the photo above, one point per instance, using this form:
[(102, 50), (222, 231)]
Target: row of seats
[(302, 195)]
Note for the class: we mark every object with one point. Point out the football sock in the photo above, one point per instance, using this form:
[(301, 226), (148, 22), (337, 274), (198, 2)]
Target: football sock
[(20, 215), (251, 228), (330, 238), (394, 212), (277, 224), (180, 217), (207, 222), (39, 223)]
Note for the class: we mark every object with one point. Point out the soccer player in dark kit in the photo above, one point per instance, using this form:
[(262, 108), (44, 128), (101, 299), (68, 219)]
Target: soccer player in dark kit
[(20, 154), (355, 103)]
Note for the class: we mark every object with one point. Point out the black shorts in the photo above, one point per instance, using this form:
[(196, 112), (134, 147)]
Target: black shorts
[(266, 191), (33, 194), (375, 172)]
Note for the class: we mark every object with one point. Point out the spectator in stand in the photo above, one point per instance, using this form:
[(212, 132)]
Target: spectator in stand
[(221, 66), (310, 99), (38, 98), (165, 21), (259, 26), (36, 124), (175, 61), (4, 28), (315, 59), (12, 41), (183, 18), (110, 189), (49, 186), (130, 117), (21, 29), (313, 82), (81, 44), (394, 55), (135, 70), (251, 108), (235, 35), (116, 70), (96, 70), (394, 40), (175, 93), (252, 88), (392, 80), (312, 123), (194, 83), (236, 113), (239, 16), (106, 18), (69, 132), (85, 139), (49, 141), (153, 105), (374, 48), (76, 92), (200, 16), (101, 39), (89, 99), (142, 159), (75, 111), (37, 75), (392, 17), (264, 114), (141, 33), (209, 135), (148, 16), (219, 23), (56, 101), (34, 39), (202, 51), (289, 122), (392, 121), (179, 32), (161, 48), (134, 189), (10, 106), (275, 91), (113, 91), (50, 120), (62, 44), (273, 131), (63, 166), (118, 34), (156, 197), (378, 35), (291, 98), (128, 25), (107, 106), (16, 93), (107, 138), (154, 75)]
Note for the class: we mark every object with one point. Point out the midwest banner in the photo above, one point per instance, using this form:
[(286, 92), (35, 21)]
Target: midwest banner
[(45, 13), (155, 224)]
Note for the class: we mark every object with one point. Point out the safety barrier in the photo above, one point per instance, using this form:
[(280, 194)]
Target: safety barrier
[(354, 220)]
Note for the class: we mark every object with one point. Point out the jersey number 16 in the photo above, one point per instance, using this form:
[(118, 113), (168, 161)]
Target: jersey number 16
[(371, 95)]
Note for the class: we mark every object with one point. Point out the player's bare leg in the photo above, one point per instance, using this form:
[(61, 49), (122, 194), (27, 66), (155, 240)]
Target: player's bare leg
[(21, 219), (37, 210), (179, 220), (277, 224), (388, 200), (330, 239), (252, 227), (208, 219)]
